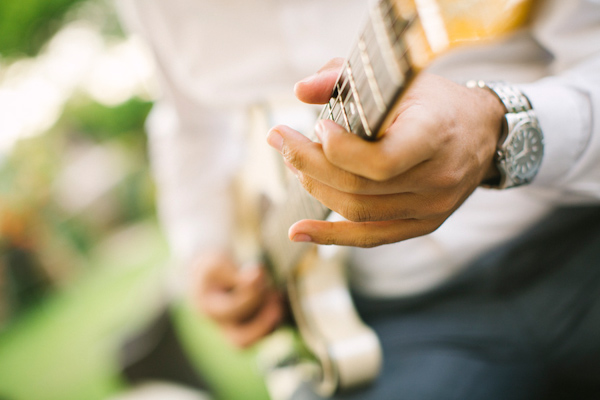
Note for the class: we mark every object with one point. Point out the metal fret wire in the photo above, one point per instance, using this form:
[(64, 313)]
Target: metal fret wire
[(377, 68), (382, 55)]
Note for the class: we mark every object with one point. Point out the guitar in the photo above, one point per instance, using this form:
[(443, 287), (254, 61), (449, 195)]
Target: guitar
[(399, 40)]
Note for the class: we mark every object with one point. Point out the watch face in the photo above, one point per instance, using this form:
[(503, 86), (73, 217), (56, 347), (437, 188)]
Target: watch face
[(525, 153)]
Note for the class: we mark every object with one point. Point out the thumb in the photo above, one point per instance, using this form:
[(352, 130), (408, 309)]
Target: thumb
[(317, 88)]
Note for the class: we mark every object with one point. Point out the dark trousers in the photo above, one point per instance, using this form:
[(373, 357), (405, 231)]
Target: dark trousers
[(522, 322)]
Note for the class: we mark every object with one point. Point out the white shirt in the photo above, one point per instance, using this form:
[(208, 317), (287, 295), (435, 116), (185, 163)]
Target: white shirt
[(216, 58)]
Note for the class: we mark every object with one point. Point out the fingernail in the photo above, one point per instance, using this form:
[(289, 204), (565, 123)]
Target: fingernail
[(275, 140), (301, 237)]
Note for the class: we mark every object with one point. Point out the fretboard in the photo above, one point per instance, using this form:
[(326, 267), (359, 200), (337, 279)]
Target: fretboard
[(374, 75), (400, 39), (371, 81)]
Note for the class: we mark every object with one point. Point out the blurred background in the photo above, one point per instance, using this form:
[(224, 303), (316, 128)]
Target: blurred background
[(82, 258), (80, 248)]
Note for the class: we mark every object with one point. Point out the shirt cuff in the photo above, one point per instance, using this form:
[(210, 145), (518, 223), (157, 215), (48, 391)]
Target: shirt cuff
[(564, 114)]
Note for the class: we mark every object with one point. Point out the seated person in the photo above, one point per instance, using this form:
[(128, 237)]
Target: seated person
[(478, 293)]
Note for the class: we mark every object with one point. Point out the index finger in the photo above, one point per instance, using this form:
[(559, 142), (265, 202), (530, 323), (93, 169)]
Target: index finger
[(401, 148)]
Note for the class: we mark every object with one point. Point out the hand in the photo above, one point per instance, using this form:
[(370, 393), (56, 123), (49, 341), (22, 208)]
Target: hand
[(240, 301), (439, 148)]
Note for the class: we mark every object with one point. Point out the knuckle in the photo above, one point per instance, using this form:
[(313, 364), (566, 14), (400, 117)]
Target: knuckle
[(370, 243), (448, 179), (443, 206), (352, 183), (309, 185), (356, 211), (381, 169), (403, 213), (294, 156)]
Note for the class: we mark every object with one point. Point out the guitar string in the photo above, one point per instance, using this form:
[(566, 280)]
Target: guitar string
[(281, 252), (299, 194)]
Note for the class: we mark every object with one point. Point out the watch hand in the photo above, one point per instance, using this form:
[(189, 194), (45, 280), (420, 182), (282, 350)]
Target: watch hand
[(526, 150), (521, 154)]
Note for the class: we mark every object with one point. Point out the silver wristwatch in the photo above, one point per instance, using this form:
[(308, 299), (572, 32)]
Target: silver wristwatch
[(521, 146)]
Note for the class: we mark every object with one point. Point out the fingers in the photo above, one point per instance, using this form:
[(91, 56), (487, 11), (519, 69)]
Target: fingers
[(238, 300), (349, 163), (316, 89), (302, 154), (361, 208), (262, 323), (428, 161), (361, 234), (395, 153), (308, 159)]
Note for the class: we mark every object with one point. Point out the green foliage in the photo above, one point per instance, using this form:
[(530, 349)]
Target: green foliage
[(73, 276), (122, 124), (35, 224), (68, 347), (101, 123), (25, 25)]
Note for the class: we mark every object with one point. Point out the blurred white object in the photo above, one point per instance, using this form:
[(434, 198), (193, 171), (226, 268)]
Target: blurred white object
[(161, 391)]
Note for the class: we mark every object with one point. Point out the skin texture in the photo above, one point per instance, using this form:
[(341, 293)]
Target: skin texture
[(241, 301), (437, 151)]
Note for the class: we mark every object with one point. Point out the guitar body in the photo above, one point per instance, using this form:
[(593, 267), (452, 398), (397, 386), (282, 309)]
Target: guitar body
[(345, 352), (348, 351), (400, 38)]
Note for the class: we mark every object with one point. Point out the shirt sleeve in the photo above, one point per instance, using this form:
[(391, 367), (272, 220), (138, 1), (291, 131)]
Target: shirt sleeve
[(567, 101), (194, 144), (194, 174)]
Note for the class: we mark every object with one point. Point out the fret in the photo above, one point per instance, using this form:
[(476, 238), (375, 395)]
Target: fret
[(376, 72), (344, 98), (351, 112), (401, 38), (382, 21), (378, 68), (342, 93), (357, 103), (340, 114), (325, 112), (364, 92), (369, 72), (374, 75)]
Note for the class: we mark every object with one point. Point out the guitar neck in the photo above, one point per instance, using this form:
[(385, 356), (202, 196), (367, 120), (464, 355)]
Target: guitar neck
[(399, 40), (375, 74), (372, 78)]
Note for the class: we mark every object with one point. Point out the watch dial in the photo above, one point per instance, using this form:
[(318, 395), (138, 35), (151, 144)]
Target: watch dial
[(526, 151)]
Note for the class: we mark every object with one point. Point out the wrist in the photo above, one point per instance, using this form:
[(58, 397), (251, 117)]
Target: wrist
[(520, 149), (493, 110)]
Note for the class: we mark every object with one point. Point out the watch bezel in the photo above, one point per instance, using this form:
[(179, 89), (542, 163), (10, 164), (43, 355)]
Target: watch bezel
[(510, 173)]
